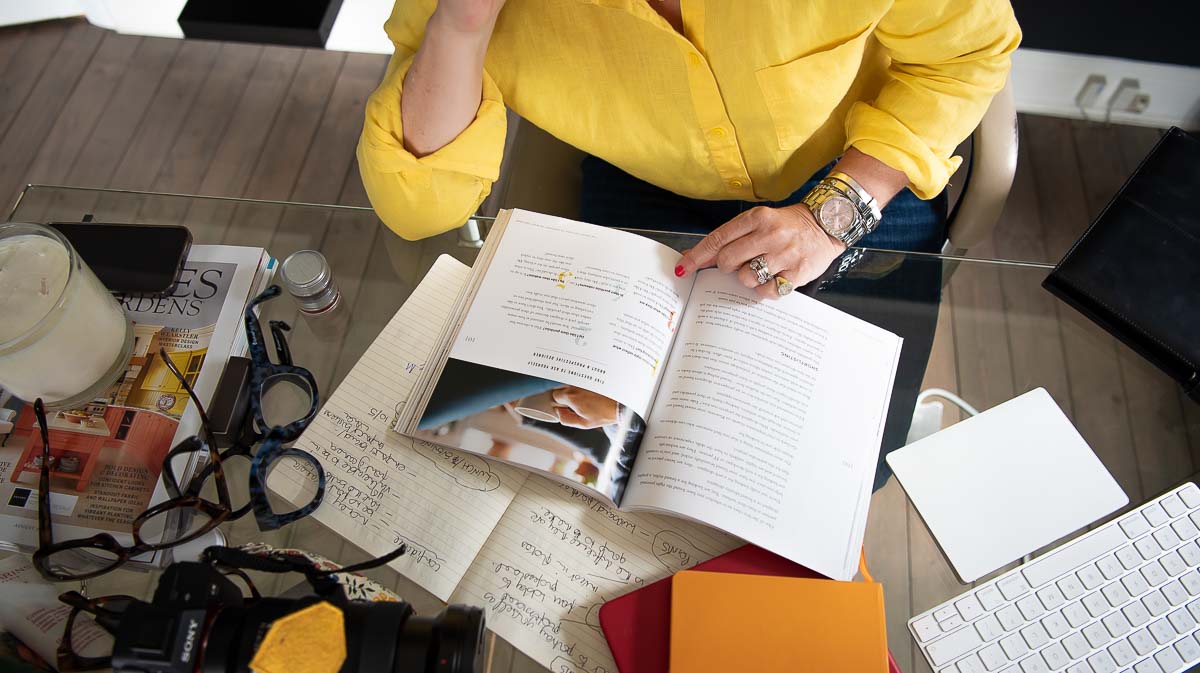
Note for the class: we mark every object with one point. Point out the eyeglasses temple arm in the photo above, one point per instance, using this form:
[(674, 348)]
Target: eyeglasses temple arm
[(45, 534), (278, 327)]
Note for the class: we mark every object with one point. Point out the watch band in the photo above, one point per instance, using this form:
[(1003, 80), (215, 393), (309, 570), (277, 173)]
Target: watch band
[(835, 184)]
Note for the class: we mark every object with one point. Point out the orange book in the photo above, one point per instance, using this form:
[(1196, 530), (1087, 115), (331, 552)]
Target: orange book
[(732, 622)]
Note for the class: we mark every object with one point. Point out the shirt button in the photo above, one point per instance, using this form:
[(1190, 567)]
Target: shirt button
[(717, 132), (694, 58), (736, 184)]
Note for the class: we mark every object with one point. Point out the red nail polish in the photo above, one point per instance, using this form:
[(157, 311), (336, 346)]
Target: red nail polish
[(679, 271)]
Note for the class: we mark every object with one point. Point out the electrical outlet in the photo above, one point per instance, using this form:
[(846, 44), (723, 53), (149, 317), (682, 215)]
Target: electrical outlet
[(1129, 97), (1089, 93)]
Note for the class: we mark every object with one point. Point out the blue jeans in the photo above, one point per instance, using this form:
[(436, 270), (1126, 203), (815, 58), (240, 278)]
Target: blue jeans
[(904, 302)]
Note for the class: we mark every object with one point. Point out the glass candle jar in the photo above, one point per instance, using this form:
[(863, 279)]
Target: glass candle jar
[(63, 336)]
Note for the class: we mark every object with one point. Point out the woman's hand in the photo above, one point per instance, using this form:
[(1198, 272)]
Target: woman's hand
[(789, 238), (467, 16), (583, 409)]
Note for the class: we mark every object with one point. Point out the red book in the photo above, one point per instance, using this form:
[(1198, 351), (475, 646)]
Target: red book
[(638, 624)]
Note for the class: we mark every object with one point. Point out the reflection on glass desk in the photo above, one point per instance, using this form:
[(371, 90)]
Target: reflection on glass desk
[(987, 329)]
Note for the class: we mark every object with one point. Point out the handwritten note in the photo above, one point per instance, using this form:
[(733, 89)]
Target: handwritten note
[(384, 489), (557, 555)]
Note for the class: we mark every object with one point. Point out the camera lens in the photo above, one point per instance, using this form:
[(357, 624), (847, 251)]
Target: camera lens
[(380, 638)]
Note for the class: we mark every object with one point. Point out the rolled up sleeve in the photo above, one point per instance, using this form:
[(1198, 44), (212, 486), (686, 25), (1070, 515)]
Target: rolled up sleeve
[(423, 196), (948, 58)]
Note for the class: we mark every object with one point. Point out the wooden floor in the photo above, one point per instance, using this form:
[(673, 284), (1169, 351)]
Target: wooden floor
[(87, 107)]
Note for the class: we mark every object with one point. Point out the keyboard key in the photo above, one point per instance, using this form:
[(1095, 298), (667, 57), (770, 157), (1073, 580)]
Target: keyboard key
[(926, 628), (1096, 604), (1162, 631), (953, 646), (1173, 564), (1122, 652), (1034, 664), (1081, 667), (1135, 584), (971, 664), (1173, 505), (1188, 649), (1013, 586), (1168, 659), (1154, 514), (1076, 614), (1195, 517), (1109, 566), (1059, 562), (1185, 529), (951, 623), (1190, 553), (943, 613), (1129, 557), (1182, 621), (1154, 573), (1147, 547), (989, 629), (1090, 576), (1072, 588), (1191, 581), (1190, 495), (1056, 657), (1051, 597), (1194, 608), (1156, 603), (969, 607), (1175, 593), (1166, 538), (1010, 617), (1014, 646), (1035, 634), (1115, 593), (1143, 642), (1102, 662), (1147, 666), (991, 598), (1135, 525), (1056, 625), (1096, 634), (993, 657), (1076, 645), (1116, 624), (1031, 607), (1136, 613)]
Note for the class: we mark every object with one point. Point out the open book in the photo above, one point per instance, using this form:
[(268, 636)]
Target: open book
[(576, 352)]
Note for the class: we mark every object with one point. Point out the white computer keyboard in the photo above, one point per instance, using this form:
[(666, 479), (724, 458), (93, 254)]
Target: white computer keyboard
[(1124, 597)]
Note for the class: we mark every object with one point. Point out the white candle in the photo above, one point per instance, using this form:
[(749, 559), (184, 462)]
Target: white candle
[(61, 332)]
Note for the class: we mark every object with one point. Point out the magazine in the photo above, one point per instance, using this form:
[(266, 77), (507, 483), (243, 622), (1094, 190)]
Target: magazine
[(575, 352), (106, 456)]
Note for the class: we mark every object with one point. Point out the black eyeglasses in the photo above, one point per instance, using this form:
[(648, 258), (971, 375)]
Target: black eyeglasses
[(186, 516)]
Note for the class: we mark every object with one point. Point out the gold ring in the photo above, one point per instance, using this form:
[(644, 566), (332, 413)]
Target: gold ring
[(783, 286)]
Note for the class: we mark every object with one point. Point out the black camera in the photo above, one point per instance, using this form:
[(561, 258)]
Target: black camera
[(199, 622)]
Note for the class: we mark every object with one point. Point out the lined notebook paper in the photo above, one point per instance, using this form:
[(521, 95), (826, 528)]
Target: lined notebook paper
[(539, 556)]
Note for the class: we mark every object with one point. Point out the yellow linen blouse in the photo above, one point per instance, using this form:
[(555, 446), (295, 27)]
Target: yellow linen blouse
[(747, 103)]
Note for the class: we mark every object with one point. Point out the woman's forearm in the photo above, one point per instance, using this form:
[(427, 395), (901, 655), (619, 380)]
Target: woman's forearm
[(880, 180), (444, 85)]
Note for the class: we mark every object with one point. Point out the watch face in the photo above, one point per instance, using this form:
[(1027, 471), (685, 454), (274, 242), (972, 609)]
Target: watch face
[(838, 214)]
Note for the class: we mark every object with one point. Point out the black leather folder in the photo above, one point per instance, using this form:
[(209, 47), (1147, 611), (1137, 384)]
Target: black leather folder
[(1136, 271)]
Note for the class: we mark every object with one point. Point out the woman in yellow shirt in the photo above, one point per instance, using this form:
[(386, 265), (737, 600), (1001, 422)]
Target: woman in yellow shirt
[(695, 111)]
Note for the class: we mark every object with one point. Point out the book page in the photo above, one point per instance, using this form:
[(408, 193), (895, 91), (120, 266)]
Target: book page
[(581, 304), (559, 353), (769, 422), (558, 554), (382, 489)]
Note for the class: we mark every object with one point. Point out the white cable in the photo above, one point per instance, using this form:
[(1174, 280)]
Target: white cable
[(948, 396)]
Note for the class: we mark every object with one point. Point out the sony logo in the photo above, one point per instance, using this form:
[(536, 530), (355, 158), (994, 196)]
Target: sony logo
[(189, 641)]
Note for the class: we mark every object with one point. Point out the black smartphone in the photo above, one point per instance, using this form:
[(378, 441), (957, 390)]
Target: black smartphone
[(130, 258)]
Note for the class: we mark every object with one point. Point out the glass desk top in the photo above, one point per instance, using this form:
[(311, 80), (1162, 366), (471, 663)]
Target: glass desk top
[(989, 329)]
